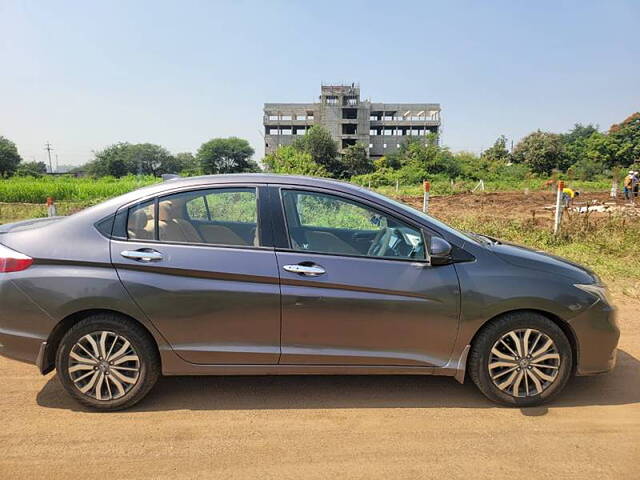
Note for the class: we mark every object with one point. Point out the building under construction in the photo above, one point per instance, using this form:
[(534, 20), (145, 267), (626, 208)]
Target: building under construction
[(380, 127)]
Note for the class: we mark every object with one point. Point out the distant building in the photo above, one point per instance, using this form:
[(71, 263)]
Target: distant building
[(380, 127)]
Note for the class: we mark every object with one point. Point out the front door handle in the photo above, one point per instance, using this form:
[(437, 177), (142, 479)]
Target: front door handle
[(142, 255), (308, 270)]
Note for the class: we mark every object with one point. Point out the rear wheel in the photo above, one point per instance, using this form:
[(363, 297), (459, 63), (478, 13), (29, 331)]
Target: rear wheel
[(107, 362), (521, 359)]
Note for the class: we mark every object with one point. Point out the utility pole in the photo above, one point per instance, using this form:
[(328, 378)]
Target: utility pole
[(48, 148), (56, 163)]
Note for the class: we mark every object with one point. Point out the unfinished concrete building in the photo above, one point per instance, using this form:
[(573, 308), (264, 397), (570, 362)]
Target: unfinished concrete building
[(380, 127)]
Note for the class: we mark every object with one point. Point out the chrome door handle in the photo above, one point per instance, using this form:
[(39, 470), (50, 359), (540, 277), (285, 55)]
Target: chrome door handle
[(142, 255), (309, 270)]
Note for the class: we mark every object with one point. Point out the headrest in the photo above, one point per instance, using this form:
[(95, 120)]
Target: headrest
[(138, 219), (170, 209), (165, 211)]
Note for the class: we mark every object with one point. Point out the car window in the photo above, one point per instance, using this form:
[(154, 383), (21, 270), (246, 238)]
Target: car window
[(141, 221), (324, 223), (226, 216)]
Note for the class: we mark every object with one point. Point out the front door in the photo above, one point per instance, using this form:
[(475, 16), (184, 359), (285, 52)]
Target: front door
[(357, 289), (195, 264)]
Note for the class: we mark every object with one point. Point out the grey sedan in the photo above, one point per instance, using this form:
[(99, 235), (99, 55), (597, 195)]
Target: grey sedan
[(272, 275)]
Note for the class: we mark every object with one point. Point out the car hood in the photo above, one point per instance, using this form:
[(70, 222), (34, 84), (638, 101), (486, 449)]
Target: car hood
[(535, 259)]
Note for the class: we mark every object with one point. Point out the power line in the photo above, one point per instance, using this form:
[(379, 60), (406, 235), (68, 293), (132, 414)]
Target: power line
[(48, 148)]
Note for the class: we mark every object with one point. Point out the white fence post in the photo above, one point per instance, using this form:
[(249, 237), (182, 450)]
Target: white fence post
[(559, 208), (614, 189), (397, 185), (51, 207), (425, 200)]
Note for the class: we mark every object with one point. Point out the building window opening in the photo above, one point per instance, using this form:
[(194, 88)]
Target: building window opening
[(349, 113), (349, 129), (350, 100), (347, 142), (331, 100)]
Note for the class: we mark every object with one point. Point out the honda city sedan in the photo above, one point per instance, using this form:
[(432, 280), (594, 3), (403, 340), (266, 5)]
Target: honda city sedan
[(271, 275)]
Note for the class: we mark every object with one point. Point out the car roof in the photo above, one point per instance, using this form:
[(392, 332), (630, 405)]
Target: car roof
[(263, 178), (110, 206)]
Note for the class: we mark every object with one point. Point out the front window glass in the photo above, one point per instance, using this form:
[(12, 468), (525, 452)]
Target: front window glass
[(324, 223)]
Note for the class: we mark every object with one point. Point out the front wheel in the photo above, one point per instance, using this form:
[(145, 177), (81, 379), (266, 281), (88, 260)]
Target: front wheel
[(107, 362), (521, 359)]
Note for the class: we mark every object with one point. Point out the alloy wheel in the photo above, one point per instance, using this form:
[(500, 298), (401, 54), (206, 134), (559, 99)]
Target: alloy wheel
[(524, 362), (104, 365)]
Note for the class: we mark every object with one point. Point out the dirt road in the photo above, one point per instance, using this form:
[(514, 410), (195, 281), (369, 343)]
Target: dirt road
[(326, 427)]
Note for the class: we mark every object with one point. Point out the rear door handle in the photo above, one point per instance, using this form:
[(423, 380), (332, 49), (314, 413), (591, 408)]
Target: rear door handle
[(308, 270), (143, 255)]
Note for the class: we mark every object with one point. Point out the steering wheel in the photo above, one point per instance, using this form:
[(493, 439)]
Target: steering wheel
[(380, 242)]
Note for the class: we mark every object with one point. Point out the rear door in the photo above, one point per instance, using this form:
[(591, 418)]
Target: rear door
[(201, 266), (356, 286)]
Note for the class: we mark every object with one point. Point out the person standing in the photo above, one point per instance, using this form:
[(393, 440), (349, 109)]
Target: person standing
[(628, 185), (635, 182)]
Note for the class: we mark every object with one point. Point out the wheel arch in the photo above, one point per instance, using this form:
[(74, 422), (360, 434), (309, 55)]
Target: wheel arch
[(63, 326), (564, 326)]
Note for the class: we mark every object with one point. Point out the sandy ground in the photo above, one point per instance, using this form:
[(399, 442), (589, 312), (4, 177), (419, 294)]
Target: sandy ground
[(326, 427)]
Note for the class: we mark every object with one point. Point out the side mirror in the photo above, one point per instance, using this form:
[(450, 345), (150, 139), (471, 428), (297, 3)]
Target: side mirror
[(439, 251)]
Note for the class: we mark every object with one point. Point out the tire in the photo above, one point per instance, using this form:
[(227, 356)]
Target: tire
[(496, 358), (122, 375)]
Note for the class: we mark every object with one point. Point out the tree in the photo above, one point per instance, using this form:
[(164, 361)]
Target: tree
[(187, 164), (290, 160), (355, 161), (226, 155), (124, 158), (625, 140), (9, 157), (542, 151), (318, 143), (579, 132), (32, 169), (498, 153), (150, 159), (431, 158)]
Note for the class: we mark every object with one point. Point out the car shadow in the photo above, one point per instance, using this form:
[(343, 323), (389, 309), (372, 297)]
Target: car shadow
[(620, 387)]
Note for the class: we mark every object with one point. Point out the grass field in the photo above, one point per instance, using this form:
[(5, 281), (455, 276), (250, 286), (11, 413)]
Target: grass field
[(69, 189), (90, 190)]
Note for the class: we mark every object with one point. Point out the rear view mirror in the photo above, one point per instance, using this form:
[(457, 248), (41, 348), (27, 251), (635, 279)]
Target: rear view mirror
[(439, 251)]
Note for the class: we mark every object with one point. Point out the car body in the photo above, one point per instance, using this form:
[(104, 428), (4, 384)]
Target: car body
[(263, 274)]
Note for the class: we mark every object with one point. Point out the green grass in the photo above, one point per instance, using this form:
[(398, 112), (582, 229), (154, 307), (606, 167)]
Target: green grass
[(70, 189)]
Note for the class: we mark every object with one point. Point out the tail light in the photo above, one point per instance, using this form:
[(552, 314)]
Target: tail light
[(12, 261)]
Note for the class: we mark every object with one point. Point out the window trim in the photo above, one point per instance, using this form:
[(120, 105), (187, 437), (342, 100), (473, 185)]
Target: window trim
[(386, 211), (263, 225)]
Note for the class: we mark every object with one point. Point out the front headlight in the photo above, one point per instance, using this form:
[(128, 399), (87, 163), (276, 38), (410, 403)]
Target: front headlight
[(599, 291)]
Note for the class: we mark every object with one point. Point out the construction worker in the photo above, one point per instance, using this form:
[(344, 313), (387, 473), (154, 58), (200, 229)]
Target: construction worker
[(568, 195), (628, 185), (635, 182)]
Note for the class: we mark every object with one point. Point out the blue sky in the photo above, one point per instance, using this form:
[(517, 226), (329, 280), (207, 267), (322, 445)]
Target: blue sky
[(84, 75)]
